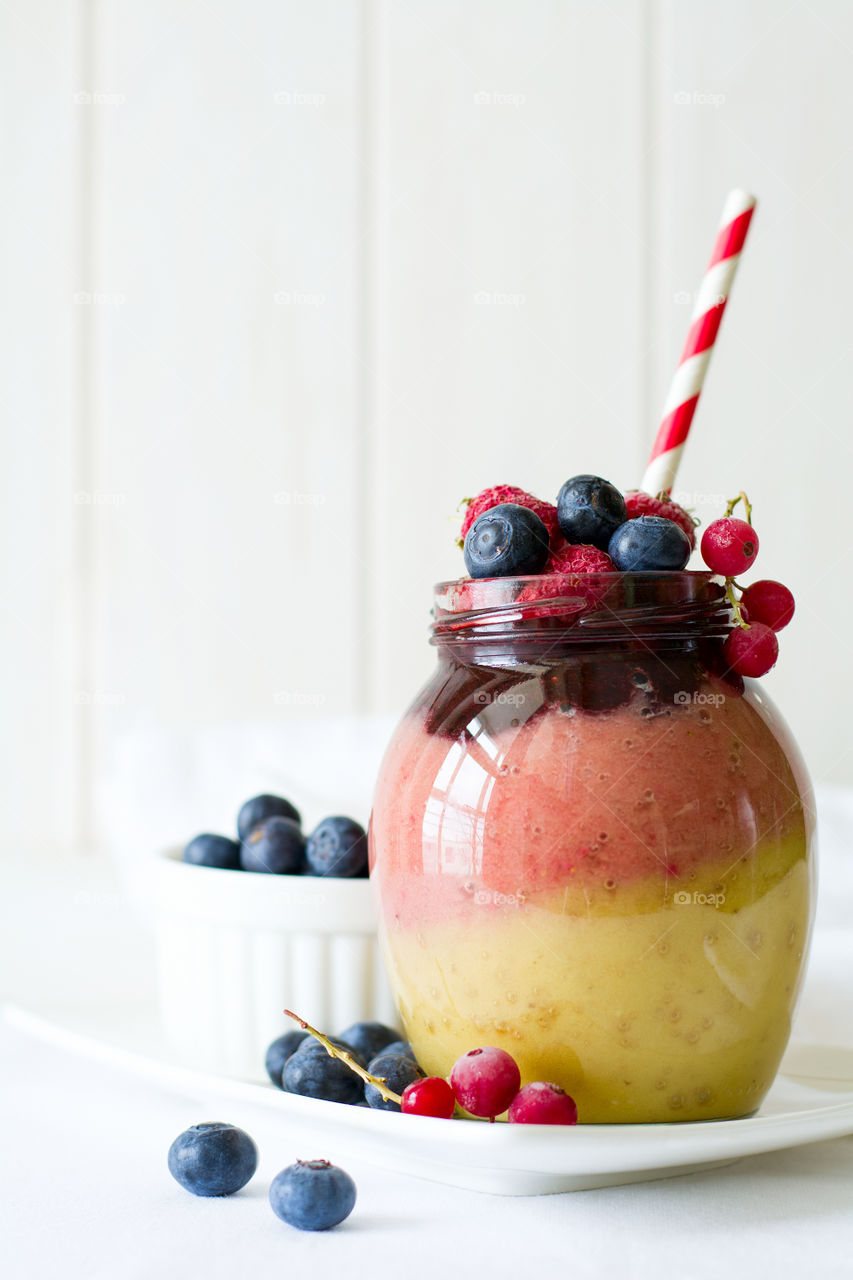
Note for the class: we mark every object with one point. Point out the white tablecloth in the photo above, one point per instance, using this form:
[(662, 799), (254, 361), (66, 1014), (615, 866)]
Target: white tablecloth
[(86, 1192)]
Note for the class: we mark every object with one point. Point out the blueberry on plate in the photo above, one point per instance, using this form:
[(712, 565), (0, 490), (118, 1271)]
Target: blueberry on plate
[(649, 543), (278, 1053), (397, 1071), (277, 846), (213, 1159), (314, 1073), (312, 1195), (337, 847), (369, 1038), (590, 510), (259, 808), (208, 850), (403, 1047), (506, 541)]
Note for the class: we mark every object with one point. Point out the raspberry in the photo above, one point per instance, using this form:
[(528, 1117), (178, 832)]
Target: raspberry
[(575, 560), (501, 493), (431, 1096), (643, 504), (729, 546), (542, 1103), (485, 1081), (581, 558), (752, 650), (768, 602)]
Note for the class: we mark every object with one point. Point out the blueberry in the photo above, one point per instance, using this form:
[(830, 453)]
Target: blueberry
[(312, 1195), (259, 808), (504, 541), (397, 1072), (276, 846), (213, 1159), (213, 851), (590, 510), (314, 1073), (278, 1053), (649, 542), (369, 1038), (403, 1047), (337, 847)]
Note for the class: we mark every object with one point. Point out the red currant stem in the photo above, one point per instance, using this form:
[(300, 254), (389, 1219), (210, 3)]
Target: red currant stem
[(747, 506), (735, 603), (378, 1082)]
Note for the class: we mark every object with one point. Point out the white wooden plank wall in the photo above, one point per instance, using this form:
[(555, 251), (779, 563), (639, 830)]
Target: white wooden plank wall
[(283, 281)]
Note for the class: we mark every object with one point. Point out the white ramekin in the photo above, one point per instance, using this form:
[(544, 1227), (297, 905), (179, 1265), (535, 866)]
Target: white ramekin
[(235, 948)]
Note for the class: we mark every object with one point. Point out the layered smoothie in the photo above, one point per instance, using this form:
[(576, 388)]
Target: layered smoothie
[(598, 861)]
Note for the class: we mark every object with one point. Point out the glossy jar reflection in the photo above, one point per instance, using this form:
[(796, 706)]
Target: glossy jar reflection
[(592, 848)]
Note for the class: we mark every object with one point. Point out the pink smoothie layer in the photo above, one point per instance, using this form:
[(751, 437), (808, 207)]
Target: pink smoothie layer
[(596, 804)]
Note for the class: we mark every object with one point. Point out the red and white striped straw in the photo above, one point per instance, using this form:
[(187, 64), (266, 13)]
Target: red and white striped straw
[(705, 321)]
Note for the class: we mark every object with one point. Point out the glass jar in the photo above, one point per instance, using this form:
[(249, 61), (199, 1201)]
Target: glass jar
[(593, 847)]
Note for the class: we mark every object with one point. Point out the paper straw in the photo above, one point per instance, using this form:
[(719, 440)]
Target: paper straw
[(686, 386)]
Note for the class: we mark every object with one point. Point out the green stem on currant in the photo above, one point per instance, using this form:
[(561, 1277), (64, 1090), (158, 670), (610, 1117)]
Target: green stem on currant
[(746, 503), (735, 604), (378, 1082)]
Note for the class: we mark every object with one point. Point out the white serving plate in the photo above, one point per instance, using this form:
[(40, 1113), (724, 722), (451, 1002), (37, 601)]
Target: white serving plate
[(812, 1099)]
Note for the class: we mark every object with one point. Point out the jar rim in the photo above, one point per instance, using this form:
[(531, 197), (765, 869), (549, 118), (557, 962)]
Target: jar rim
[(582, 607)]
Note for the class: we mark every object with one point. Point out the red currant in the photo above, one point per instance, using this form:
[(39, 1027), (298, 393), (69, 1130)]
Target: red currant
[(542, 1103), (729, 546), (431, 1096), (752, 650), (769, 602), (485, 1081)]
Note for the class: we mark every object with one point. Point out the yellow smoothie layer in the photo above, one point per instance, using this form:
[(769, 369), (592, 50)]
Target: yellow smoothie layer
[(649, 1003)]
